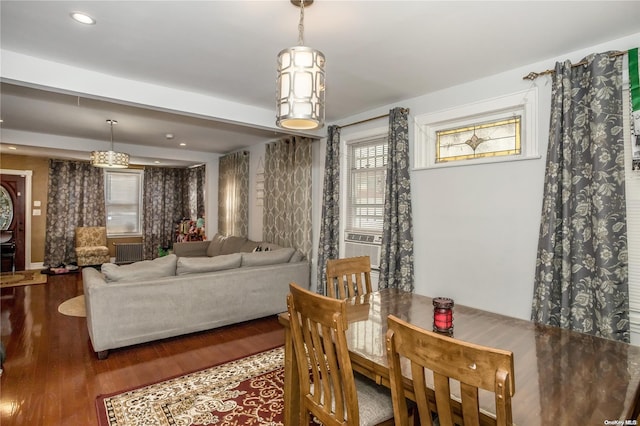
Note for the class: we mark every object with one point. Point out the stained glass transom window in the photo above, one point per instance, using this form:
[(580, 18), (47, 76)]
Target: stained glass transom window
[(495, 130), (488, 139)]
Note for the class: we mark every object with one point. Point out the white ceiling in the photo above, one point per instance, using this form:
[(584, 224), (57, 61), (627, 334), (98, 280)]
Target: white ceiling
[(205, 70)]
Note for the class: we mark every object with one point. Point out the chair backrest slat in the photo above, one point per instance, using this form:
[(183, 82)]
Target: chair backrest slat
[(474, 366), (327, 383), (348, 277)]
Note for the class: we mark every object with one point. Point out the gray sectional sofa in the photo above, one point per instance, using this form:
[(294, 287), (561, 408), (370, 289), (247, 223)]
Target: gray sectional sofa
[(201, 286)]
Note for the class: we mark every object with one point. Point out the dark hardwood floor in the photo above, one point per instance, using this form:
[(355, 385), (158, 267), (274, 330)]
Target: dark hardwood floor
[(52, 376)]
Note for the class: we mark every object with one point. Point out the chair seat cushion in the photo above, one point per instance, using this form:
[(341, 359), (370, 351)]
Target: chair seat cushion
[(374, 401), (92, 251)]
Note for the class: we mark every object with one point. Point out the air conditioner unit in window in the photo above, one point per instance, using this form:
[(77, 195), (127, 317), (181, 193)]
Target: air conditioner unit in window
[(357, 244)]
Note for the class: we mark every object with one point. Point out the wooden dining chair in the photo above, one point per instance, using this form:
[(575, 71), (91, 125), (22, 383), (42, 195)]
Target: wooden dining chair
[(348, 277), (329, 389), (473, 366)]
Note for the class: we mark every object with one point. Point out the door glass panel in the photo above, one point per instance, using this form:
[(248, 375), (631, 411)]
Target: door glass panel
[(6, 208)]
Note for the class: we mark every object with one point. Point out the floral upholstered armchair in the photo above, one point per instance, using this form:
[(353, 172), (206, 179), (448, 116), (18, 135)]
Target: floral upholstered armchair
[(91, 245)]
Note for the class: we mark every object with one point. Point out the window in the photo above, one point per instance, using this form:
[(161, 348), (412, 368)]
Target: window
[(123, 201), (367, 178), (488, 139), (500, 129)]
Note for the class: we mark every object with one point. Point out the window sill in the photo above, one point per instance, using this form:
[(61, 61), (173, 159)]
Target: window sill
[(476, 162), (114, 236)]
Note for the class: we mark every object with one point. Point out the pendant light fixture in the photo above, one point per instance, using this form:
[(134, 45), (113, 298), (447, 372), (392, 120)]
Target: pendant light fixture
[(300, 84), (110, 159)]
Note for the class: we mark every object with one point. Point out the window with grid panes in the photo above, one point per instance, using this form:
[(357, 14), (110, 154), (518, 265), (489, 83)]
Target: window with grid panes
[(368, 170), (123, 201)]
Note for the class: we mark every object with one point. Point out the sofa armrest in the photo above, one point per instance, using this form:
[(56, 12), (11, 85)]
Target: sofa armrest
[(191, 248)]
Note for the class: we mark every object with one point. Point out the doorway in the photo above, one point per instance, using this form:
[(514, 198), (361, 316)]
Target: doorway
[(14, 187)]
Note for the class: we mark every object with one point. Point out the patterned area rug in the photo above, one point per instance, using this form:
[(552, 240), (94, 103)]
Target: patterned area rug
[(8, 279), (248, 391)]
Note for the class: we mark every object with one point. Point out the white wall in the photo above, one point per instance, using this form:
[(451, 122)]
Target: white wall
[(476, 227)]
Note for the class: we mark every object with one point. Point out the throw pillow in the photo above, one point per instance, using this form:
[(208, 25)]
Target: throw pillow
[(232, 244), (198, 265), (161, 267), (267, 257), (215, 246)]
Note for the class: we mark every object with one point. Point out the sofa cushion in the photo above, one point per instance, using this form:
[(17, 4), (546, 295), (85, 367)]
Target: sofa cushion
[(249, 246), (232, 244), (157, 268), (197, 265), (261, 258), (191, 248), (215, 246)]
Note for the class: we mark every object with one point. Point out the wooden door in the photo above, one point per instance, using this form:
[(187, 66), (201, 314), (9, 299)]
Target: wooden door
[(15, 184)]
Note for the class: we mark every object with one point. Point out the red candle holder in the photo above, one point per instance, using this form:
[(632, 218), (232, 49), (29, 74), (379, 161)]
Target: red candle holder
[(443, 315)]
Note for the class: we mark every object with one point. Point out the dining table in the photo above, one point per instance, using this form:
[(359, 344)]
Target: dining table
[(562, 377)]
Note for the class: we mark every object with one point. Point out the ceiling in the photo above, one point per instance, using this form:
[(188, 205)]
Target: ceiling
[(205, 71)]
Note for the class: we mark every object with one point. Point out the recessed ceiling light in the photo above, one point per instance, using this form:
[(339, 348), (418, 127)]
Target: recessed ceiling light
[(13, 148), (169, 136), (83, 18), (156, 162), (183, 144)]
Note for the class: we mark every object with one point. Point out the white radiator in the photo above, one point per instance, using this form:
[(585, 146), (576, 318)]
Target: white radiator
[(128, 252)]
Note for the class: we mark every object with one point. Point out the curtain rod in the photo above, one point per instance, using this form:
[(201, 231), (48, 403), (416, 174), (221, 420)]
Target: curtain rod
[(368, 119), (533, 75), (364, 121)]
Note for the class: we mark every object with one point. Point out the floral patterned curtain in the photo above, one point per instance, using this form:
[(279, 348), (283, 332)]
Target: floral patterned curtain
[(287, 185), (396, 254), (233, 194), (581, 270), (329, 247), (75, 198), (164, 206)]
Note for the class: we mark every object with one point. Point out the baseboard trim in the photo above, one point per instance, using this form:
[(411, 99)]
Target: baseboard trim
[(36, 265)]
